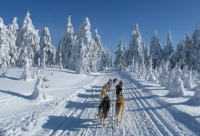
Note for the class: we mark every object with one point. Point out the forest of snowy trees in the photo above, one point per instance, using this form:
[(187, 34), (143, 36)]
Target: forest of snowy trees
[(139, 55), (20, 46), (23, 45), (80, 52), (174, 70)]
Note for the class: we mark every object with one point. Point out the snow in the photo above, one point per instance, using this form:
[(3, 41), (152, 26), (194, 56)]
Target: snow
[(72, 105)]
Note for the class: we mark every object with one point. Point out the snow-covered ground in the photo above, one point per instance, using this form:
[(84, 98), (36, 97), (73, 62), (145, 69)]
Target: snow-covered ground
[(73, 101)]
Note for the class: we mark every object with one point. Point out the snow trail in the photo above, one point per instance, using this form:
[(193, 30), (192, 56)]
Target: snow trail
[(76, 113)]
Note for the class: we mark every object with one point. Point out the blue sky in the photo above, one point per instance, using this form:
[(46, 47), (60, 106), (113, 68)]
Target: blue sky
[(114, 19)]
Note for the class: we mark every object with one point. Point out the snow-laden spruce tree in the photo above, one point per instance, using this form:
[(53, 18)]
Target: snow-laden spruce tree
[(180, 53), (169, 78), (176, 88), (60, 64), (39, 90), (142, 69), (119, 54), (82, 61), (189, 55), (47, 50), (28, 39), (168, 49), (150, 76), (187, 79), (163, 75), (135, 47), (155, 72), (85, 35), (26, 75), (12, 34), (197, 92), (108, 58), (196, 46), (100, 50), (4, 46), (146, 53), (66, 44), (156, 50), (136, 67)]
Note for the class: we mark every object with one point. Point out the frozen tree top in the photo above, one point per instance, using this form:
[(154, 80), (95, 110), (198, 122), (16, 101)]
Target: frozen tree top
[(198, 26), (1, 22), (155, 33), (14, 20), (69, 24), (28, 14), (86, 24), (136, 33), (169, 38), (169, 32)]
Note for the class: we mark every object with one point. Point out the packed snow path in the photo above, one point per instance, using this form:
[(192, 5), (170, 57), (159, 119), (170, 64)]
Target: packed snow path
[(76, 113)]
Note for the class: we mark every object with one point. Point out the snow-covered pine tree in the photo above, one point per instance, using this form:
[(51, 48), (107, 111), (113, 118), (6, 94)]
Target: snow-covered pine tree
[(176, 88), (163, 75), (107, 58), (26, 75), (28, 39), (187, 79), (135, 47), (196, 46), (118, 61), (4, 46), (99, 59), (67, 44), (168, 49), (150, 76), (188, 54), (169, 78), (180, 53), (142, 69), (82, 61), (146, 54), (85, 35), (156, 50), (13, 33), (47, 50)]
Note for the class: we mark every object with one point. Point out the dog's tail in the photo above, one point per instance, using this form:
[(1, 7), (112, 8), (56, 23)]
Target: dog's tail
[(118, 110)]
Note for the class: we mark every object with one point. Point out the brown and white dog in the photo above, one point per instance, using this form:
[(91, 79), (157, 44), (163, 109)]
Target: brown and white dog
[(103, 92), (120, 107), (104, 109)]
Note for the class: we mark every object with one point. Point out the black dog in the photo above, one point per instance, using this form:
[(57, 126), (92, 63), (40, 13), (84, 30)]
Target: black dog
[(118, 91), (104, 108)]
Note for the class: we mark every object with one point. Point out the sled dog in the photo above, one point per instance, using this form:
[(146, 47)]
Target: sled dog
[(121, 84), (120, 107), (109, 84), (103, 92), (115, 81), (104, 109), (118, 91)]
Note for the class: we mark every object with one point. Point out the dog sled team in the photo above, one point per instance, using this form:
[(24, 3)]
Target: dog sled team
[(105, 102)]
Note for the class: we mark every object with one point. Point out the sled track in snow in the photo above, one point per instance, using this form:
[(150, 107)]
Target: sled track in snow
[(163, 126), (60, 129), (66, 123)]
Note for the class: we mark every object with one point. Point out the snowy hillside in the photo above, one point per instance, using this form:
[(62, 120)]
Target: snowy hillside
[(72, 104)]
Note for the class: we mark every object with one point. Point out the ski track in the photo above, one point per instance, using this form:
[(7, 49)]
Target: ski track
[(77, 118)]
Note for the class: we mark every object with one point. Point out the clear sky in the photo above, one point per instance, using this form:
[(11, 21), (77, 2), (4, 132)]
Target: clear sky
[(114, 19)]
